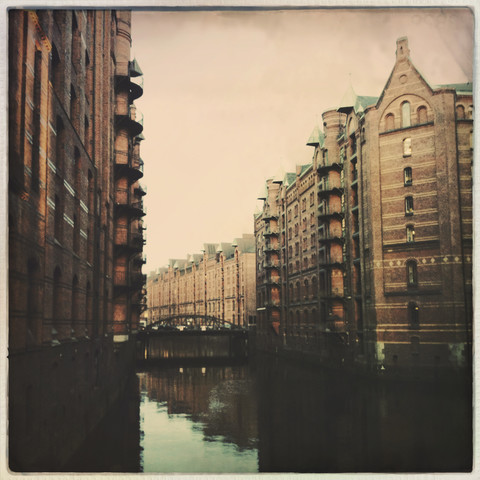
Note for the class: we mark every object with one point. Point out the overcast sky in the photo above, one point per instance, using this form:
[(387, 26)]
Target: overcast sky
[(230, 98)]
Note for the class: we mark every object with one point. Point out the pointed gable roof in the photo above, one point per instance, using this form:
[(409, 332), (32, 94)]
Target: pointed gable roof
[(402, 59), (316, 137), (358, 103)]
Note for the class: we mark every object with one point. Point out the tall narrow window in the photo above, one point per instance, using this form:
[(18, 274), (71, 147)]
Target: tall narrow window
[(407, 147), (58, 219), (55, 72), (470, 112), (411, 273), (390, 122), (422, 114), (57, 303), (75, 307), (410, 233), (408, 205), (413, 314), (59, 144), (407, 176), (406, 117), (73, 107), (37, 90)]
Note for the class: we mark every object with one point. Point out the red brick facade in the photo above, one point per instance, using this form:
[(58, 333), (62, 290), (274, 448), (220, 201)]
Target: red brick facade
[(74, 169), (220, 283), (392, 282)]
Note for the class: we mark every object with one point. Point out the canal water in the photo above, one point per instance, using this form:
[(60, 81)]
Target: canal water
[(274, 416)]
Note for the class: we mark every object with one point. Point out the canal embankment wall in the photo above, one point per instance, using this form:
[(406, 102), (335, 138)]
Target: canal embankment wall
[(57, 396)]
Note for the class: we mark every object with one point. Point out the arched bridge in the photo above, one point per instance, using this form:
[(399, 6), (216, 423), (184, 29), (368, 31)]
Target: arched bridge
[(191, 322), (192, 337)]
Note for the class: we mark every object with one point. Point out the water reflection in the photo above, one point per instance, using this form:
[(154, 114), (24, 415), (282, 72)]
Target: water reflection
[(198, 420), (314, 421), (276, 416)]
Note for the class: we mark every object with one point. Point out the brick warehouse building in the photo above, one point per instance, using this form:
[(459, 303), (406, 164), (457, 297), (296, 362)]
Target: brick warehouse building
[(365, 254), (218, 283), (75, 228)]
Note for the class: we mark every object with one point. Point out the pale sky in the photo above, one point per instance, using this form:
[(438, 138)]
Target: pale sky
[(230, 98)]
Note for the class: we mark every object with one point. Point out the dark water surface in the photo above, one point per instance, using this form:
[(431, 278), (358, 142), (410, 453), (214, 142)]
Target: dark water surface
[(275, 416)]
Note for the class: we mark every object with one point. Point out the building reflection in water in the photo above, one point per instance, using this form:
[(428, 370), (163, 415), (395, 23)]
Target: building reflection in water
[(277, 416), (198, 419)]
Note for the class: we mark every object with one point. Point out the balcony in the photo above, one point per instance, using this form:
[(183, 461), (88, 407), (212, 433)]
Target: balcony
[(335, 166), (132, 210), (139, 259), (325, 189), (126, 119), (325, 213), (270, 215), (330, 263), (270, 264), (269, 247), (132, 169), (140, 190), (330, 237), (270, 231), (274, 281), (127, 241)]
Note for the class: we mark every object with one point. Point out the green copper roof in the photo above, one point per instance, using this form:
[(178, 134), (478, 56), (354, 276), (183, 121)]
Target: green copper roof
[(357, 102), (135, 70), (316, 138), (459, 87)]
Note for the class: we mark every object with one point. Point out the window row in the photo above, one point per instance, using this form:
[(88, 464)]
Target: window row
[(406, 120)]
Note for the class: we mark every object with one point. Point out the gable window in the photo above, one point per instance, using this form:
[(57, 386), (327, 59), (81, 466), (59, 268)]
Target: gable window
[(407, 147), (410, 233), (407, 176), (422, 114), (406, 119), (408, 205), (411, 273), (390, 122), (460, 111)]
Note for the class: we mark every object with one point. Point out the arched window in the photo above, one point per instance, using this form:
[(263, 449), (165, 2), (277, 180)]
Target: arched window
[(314, 287), (408, 205), (298, 317), (413, 315), (411, 273), (290, 291), (422, 114), (351, 127), (407, 176), (470, 112), (406, 116), (410, 233), (390, 122), (306, 292), (305, 316), (297, 293), (460, 111), (407, 147)]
